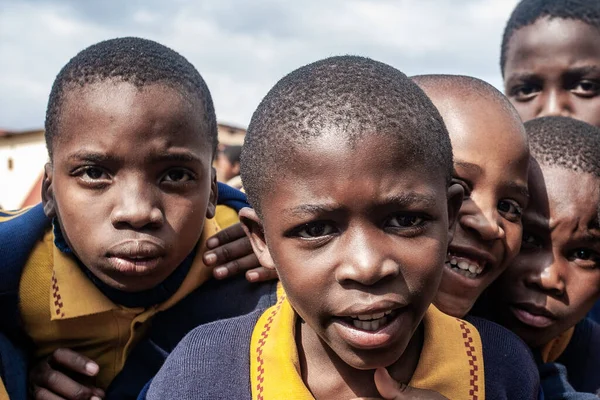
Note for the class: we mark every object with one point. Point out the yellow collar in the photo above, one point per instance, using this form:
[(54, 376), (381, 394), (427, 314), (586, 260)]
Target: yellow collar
[(451, 361), (552, 350), (74, 295)]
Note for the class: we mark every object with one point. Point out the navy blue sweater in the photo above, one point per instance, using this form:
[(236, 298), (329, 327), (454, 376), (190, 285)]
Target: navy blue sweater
[(212, 362)]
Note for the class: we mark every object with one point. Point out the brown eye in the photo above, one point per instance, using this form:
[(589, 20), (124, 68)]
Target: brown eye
[(404, 221), (525, 92), (315, 229), (586, 88), (177, 175)]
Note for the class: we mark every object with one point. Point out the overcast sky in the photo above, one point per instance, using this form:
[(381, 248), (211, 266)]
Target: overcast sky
[(242, 47)]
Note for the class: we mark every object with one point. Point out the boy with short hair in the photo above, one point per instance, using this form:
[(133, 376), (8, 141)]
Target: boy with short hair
[(555, 279), (550, 59), (356, 221), (131, 133)]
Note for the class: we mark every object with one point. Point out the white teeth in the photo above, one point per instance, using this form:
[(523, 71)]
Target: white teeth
[(369, 325), (369, 317), (453, 261), (377, 316), (472, 269), (388, 312), (463, 265)]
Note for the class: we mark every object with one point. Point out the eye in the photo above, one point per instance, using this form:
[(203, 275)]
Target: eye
[(530, 241), (404, 221), (586, 258), (525, 92), (586, 88), (465, 185), (177, 175), (510, 209), (316, 229), (90, 174)]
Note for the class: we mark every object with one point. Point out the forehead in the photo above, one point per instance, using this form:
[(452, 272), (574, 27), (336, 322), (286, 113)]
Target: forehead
[(483, 130), (565, 194), (112, 114), (330, 170), (555, 42)]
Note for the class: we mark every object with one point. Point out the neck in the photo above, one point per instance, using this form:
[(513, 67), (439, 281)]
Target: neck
[(327, 376)]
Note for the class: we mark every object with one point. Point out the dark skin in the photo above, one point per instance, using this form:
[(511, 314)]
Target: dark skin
[(140, 159), (555, 280), (372, 233), (553, 69), (491, 159)]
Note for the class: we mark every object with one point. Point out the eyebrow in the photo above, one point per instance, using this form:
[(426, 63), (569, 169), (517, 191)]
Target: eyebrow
[(177, 156), (401, 200), (586, 69), (91, 156), (521, 189), (469, 166)]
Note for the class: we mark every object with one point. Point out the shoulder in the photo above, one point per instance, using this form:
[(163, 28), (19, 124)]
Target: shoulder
[(582, 357), (211, 362), (509, 368)]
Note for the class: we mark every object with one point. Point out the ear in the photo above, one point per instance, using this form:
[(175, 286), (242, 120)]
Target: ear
[(455, 198), (214, 195), (48, 192), (254, 230)]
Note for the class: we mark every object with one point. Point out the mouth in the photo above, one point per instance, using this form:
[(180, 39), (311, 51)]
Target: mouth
[(467, 264), (135, 257), (370, 330), (533, 315)]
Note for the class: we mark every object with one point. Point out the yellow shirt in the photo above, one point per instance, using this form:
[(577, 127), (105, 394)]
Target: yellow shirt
[(451, 361), (61, 307)]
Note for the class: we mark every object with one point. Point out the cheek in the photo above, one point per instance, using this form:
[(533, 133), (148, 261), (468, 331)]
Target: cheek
[(589, 111), (514, 234)]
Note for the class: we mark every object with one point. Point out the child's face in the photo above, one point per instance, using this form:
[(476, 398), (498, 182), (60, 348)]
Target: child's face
[(491, 159), (555, 279), (131, 181), (553, 69), (358, 237)]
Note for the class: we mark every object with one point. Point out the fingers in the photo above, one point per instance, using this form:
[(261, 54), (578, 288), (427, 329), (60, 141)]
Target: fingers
[(225, 236), (261, 274), (73, 361), (237, 266), (48, 382)]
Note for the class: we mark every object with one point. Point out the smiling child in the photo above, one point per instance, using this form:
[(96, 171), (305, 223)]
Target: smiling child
[(551, 59), (554, 281), (356, 221), (491, 159)]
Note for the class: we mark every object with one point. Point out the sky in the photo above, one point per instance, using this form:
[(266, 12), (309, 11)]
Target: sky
[(241, 47)]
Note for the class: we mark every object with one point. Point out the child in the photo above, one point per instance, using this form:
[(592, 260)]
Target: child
[(555, 279), (131, 133), (356, 221), (228, 166), (550, 59), (491, 159)]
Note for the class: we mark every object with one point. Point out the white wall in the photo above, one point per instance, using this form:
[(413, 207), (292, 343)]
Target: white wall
[(28, 154)]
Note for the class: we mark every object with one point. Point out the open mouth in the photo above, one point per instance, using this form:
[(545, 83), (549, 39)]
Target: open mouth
[(370, 322), (468, 267)]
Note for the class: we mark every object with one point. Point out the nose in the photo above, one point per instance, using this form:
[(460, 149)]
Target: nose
[(137, 206), (556, 103), (548, 275), (484, 223), (365, 260)]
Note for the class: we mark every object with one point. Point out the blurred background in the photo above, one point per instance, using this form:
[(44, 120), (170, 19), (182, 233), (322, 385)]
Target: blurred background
[(241, 48)]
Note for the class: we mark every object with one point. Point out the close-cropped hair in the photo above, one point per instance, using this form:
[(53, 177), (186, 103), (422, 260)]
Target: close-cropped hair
[(528, 12), (352, 96), (566, 143), (137, 61)]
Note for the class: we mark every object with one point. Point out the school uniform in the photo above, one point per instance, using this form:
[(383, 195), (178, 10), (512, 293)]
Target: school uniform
[(578, 350), (50, 300), (255, 357)]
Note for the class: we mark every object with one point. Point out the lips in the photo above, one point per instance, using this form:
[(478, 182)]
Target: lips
[(533, 315), (135, 257), (371, 327)]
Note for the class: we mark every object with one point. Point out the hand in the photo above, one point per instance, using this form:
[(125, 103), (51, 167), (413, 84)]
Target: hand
[(47, 381), (231, 253), (389, 389)]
